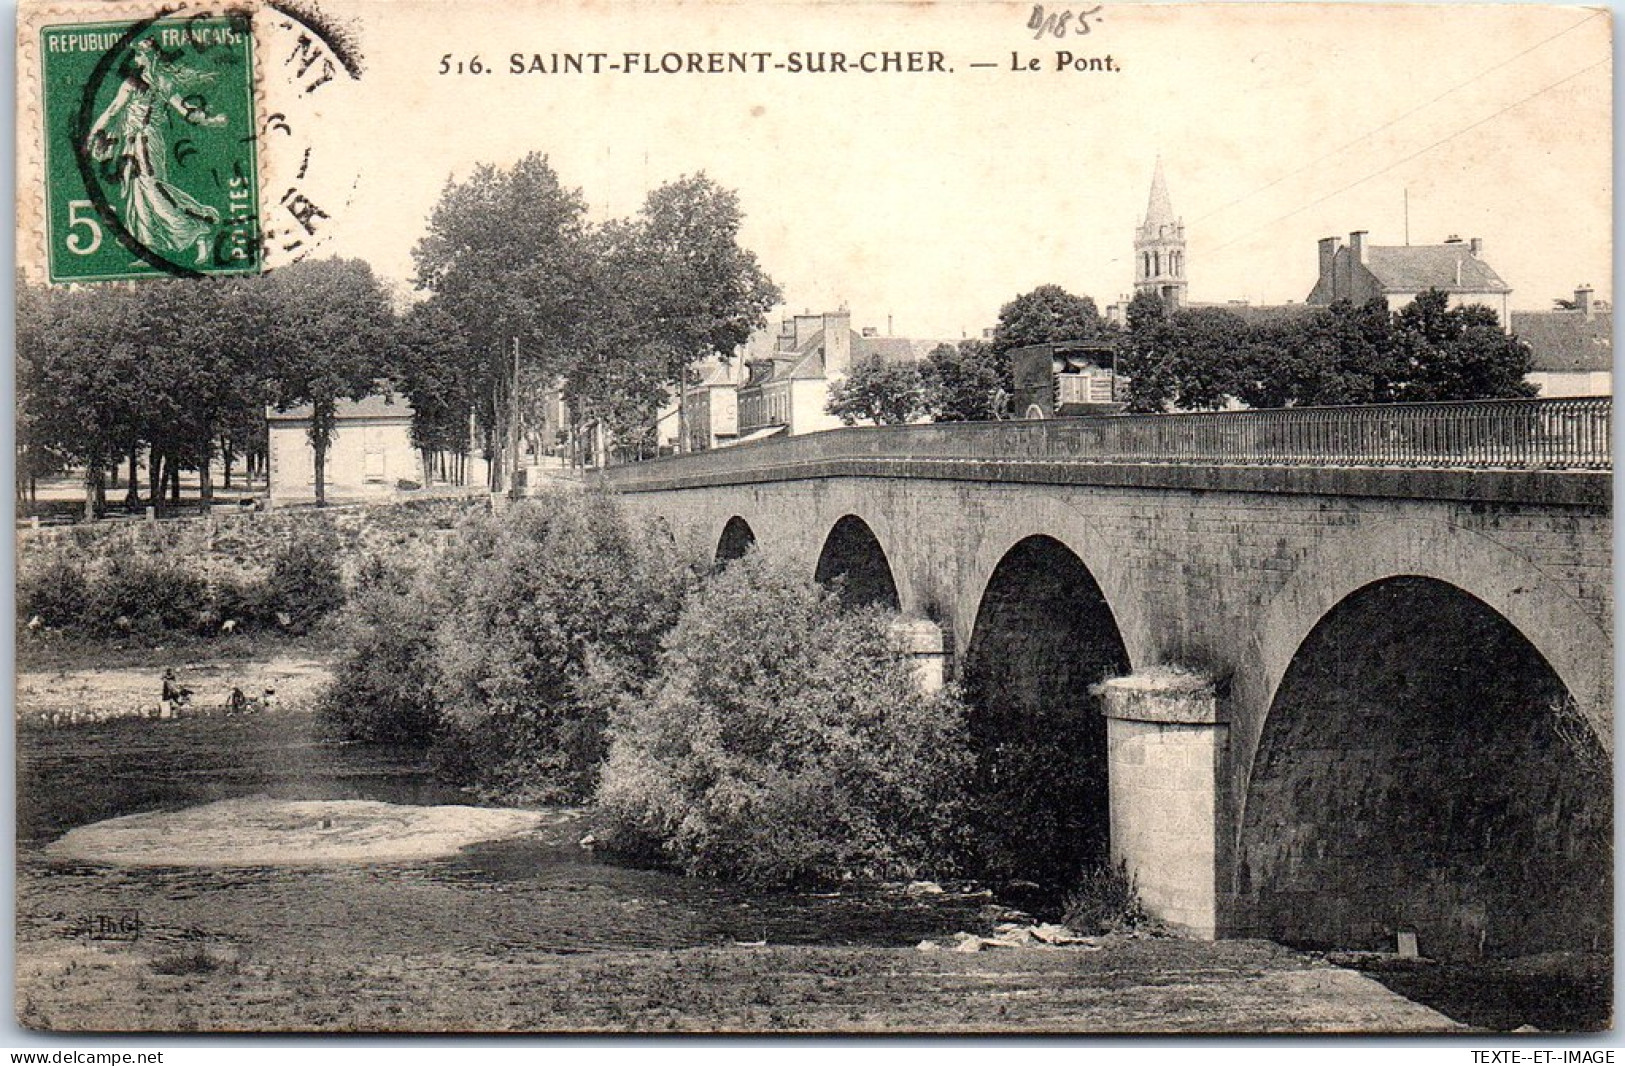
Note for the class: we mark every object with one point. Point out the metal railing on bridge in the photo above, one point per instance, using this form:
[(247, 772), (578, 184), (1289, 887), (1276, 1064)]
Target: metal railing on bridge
[(1538, 434)]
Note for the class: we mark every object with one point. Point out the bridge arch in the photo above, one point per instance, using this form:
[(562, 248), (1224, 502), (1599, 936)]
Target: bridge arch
[(1044, 634), (736, 539), (1349, 558), (853, 556), (1000, 529), (1418, 771)]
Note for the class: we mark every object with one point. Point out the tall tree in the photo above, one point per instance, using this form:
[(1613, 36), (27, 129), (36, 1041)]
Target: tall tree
[(431, 357), (705, 294), (506, 253), (1186, 360), (1048, 313), (619, 374), (324, 334), (1459, 353), (79, 379)]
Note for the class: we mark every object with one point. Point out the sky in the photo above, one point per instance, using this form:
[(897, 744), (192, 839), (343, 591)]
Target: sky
[(930, 199)]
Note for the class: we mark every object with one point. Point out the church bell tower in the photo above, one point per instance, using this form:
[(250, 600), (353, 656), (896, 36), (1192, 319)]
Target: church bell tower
[(1159, 247)]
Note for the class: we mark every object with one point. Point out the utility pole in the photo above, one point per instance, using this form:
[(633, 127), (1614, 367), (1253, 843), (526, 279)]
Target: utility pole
[(513, 424), (682, 413)]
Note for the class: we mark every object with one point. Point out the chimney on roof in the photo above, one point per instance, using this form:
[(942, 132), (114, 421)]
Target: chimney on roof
[(1357, 246), (1582, 300), (838, 341), (1454, 238), (1328, 262), (870, 331), (1476, 246)]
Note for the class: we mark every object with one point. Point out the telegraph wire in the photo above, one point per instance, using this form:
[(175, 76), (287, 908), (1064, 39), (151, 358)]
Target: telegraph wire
[(1401, 117), (1419, 152)]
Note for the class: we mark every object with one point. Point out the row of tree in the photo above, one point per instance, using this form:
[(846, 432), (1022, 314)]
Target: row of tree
[(1207, 358), (521, 292), (183, 370)]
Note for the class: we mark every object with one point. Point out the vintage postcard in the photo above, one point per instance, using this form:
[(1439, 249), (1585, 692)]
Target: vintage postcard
[(860, 517)]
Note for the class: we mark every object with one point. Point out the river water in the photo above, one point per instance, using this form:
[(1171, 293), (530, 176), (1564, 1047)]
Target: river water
[(538, 892)]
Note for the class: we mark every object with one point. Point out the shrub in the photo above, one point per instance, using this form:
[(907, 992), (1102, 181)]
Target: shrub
[(383, 690), (784, 740), (551, 609), (56, 592), (1105, 901), (305, 584), (248, 603), (146, 595)]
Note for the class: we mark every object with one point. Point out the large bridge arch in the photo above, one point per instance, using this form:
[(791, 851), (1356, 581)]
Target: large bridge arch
[(1044, 635), (998, 531), (1419, 770), (1462, 595), (1349, 558)]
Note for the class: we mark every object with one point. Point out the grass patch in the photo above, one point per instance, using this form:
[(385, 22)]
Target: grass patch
[(72, 651), (1106, 901), (187, 961)]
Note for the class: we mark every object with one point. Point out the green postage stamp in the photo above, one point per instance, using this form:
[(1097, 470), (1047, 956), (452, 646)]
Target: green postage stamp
[(149, 137)]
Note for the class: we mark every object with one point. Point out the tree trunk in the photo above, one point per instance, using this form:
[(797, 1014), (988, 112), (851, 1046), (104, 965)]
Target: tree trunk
[(682, 415), (155, 478), (93, 470), (174, 465), (132, 495), (321, 435), (205, 480), (320, 447)]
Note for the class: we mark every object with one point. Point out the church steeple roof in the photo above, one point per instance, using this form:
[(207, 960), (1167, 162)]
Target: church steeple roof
[(1159, 210)]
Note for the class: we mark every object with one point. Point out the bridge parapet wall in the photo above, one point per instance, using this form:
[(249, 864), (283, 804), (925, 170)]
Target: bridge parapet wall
[(1506, 435)]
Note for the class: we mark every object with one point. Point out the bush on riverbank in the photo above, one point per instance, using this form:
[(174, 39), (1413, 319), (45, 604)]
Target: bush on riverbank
[(159, 596), (783, 740), (505, 653), (383, 690), (557, 605)]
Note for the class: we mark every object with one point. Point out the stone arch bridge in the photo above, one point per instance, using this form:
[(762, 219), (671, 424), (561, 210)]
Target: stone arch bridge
[(1333, 675)]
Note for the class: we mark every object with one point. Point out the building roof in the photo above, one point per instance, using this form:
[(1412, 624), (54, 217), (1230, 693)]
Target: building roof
[(714, 373), (889, 349), (375, 406), (1263, 314), (1567, 341), (1447, 267)]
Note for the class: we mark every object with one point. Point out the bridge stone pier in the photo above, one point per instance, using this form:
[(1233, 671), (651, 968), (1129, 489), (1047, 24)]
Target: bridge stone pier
[(1320, 691)]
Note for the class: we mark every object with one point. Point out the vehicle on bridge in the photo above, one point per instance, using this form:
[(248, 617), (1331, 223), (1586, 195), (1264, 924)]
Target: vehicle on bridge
[(1065, 378)]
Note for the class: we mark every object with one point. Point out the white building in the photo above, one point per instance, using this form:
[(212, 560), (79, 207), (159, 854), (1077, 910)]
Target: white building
[(370, 453)]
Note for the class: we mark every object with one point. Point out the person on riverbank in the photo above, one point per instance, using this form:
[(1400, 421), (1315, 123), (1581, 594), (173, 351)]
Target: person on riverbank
[(174, 696)]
